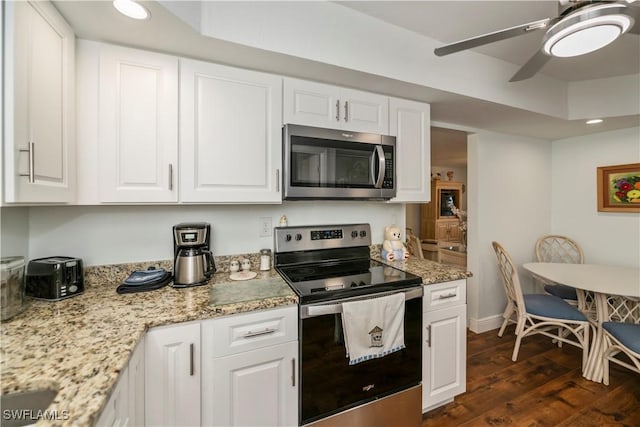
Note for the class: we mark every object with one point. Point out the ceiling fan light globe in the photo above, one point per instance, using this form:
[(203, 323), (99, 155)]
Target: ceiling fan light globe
[(585, 41), (586, 30)]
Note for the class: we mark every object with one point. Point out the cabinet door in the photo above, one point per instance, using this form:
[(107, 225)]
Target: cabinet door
[(444, 355), (409, 122), (39, 148), (257, 388), (230, 134), (136, 386), (316, 104), (442, 231), (454, 232), (138, 126), (116, 411), (364, 111), (172, 365), (311, 104)]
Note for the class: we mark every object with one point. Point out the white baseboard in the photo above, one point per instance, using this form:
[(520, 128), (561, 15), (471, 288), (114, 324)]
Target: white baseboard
[(485, 324)]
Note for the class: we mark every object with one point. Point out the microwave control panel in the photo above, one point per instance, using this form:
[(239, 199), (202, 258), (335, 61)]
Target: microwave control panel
[(388, 171)]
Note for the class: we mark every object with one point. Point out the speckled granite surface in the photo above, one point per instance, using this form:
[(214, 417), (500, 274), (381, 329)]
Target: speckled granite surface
[(79, 345), (431, 272)]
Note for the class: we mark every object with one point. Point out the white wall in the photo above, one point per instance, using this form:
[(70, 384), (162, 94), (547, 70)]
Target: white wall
[(14, 231), (122, 234), (605, 237), (509, 184)]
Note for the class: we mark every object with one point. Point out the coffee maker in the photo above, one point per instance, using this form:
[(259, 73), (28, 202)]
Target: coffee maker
[(193, 262)]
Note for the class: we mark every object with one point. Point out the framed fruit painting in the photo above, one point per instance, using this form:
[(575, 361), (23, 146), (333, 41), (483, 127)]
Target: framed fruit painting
[(619, 188)]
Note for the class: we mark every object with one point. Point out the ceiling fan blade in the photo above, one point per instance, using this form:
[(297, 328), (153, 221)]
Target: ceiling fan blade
[(533, 65), (493, 37)]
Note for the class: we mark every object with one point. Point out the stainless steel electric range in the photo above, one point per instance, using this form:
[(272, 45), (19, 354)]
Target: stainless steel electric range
[(329, 265)]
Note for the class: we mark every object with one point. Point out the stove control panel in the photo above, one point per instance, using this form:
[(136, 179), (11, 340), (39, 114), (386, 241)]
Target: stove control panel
[(316, 237)]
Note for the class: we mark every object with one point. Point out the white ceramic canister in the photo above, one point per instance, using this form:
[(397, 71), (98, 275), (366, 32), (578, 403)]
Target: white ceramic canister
[(265, 259)]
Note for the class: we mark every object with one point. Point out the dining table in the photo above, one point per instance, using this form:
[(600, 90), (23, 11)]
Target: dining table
[(610, 287)]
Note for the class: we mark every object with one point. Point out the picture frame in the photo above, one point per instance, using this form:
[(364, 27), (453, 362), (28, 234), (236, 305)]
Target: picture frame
[(619, 188)]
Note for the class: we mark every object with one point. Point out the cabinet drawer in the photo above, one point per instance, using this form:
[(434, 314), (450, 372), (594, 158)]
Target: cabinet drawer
[(249, 331), (443, 295)]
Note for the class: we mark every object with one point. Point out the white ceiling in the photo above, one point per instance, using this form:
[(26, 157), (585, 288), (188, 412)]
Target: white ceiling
[(442, 20), (452, 21)]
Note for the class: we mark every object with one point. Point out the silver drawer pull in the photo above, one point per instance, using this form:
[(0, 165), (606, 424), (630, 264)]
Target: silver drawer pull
[(447, 296), (258, 333), (191, 361)]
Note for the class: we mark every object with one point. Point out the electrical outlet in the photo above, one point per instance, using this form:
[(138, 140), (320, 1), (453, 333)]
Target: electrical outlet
[(265, 227)]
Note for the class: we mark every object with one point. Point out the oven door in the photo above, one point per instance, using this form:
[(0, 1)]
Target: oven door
[(326, 164), (329, 385)]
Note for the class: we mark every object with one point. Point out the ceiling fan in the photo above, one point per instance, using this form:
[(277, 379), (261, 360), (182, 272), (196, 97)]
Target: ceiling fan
[(582, 26)]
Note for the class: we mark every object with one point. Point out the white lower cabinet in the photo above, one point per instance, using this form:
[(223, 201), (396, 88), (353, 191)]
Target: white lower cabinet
[(172, 395), (250, 369), (125, 406), (444, 348)]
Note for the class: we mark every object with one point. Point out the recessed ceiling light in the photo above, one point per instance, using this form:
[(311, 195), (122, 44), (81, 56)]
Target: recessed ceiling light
[(586, 30), (131, 8), (594, 121)]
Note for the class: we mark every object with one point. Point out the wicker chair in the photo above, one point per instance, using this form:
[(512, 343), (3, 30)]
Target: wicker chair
[(621, 334), (539, 313), (555, 248), (413, 244)]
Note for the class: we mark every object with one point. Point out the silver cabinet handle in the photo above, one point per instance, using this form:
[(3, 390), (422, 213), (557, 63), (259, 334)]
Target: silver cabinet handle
[(170, 177), (429, 335), (293, 372), (265, 331), (191, 362), (277, 180), (338, 110), (346, 111), (31, 150), (447, 296)]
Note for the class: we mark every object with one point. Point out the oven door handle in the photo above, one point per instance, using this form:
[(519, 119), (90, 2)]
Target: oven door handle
[(307, 311)]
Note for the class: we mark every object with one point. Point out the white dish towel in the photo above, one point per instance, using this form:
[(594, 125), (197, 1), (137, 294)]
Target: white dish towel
[(373, 327)]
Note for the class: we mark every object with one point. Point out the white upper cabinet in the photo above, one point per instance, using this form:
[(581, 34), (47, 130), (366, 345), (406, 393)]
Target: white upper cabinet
[(39, 147), (410, 124), (321, 105), (137, 126), (230, 134)]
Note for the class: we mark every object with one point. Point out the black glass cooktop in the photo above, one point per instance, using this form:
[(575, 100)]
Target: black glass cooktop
[(343, 279)]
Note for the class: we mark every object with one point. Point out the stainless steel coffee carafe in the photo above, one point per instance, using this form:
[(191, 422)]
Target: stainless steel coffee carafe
[(193, 262)]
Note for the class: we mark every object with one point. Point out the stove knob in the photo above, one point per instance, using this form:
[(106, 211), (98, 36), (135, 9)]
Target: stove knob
[(298, 237), (287, 237), (363, 233), (354, 234)]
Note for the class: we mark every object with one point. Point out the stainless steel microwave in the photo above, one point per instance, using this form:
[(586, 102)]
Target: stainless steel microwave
[(334, 164)]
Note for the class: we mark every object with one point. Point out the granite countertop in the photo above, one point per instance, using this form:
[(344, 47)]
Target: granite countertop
[(78, 346), (431, 272)]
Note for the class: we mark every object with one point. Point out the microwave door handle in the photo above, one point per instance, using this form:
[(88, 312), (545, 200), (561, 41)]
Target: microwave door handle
[(381, 166)]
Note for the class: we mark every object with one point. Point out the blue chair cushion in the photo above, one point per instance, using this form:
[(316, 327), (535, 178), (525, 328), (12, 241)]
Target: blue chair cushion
[(562, 291), (627, 333), (552, 306)]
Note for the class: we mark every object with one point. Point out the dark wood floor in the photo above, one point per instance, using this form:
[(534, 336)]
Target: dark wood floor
[(544, 387)]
